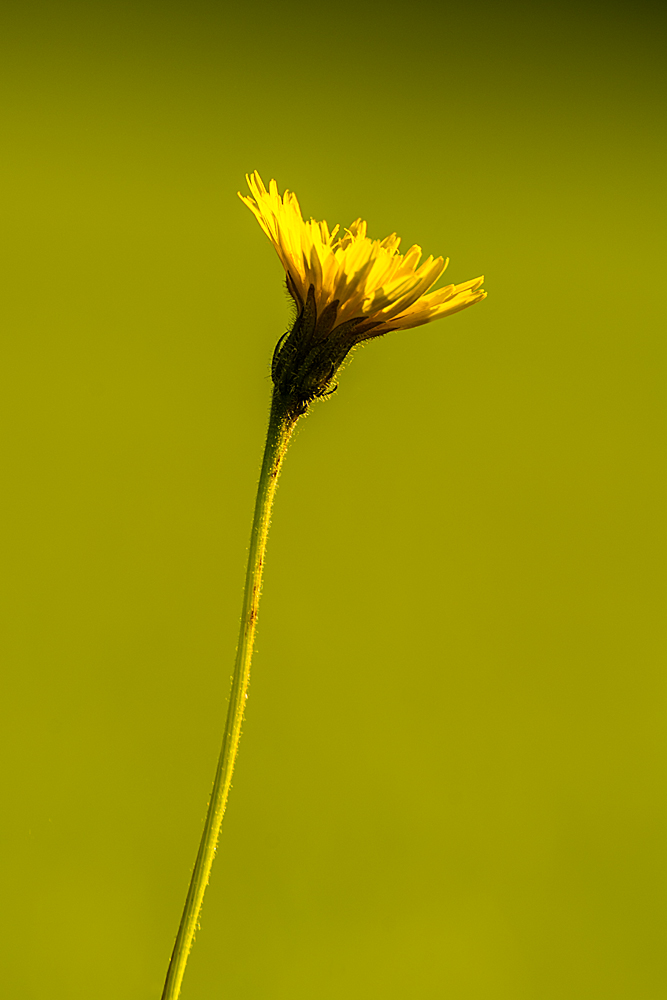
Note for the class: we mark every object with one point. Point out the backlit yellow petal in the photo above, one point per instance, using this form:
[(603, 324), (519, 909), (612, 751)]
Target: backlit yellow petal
[(370, 279)]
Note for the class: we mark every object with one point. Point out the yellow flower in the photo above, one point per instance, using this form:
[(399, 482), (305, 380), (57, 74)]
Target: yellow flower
[(375, 288), (347, 289)]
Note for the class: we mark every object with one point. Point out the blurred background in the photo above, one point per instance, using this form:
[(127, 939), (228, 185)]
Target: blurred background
[(451, 778)]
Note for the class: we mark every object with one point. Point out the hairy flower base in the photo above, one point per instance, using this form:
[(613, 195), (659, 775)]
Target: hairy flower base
[(308, 356)]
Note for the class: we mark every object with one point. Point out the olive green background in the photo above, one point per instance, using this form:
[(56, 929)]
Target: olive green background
[(451, 779)]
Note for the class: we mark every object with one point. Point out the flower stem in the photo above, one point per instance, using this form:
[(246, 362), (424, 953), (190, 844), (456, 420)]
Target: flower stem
[(281, 425)]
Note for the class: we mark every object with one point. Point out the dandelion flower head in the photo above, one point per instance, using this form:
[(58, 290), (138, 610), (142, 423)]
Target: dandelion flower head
[(353, 277)]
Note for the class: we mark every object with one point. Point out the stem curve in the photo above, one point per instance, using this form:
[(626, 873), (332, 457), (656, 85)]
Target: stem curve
[(281, 425)]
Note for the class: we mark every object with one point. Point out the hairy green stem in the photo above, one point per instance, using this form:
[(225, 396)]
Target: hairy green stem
[(281, 425)]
